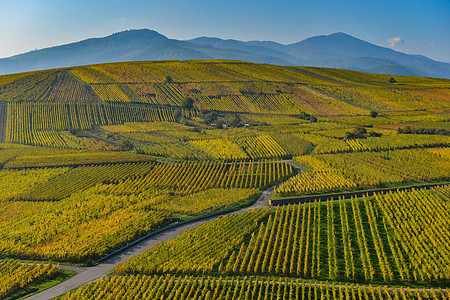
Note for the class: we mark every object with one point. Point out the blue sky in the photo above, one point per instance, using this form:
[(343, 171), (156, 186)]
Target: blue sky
[(411, 26)]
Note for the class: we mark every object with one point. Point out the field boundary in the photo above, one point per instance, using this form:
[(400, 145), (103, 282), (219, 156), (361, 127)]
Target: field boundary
[(77, 165), (347, 195)]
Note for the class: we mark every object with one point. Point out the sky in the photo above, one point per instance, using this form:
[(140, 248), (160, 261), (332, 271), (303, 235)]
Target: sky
[(411, 26)]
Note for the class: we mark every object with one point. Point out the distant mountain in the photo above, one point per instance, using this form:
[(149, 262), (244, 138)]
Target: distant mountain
[(337, 50)]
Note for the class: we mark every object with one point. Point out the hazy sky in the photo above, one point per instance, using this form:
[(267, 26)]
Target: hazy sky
[(411, 26)]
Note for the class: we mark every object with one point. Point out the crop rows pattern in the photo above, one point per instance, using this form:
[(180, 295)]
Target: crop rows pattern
[(190, 177), (78, 229), (81, 178), (102, 207), (15, 275), (337, 240), (52, 158), (349, 171), (421, 221), (246, 288), (262, 146), (47, 86), (25, 121)]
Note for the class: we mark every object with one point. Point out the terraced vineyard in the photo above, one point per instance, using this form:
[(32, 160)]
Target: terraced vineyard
[(92, 158)]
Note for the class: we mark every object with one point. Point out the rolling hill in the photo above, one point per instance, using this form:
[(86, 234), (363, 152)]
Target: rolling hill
[(81, 98), (96, 158)]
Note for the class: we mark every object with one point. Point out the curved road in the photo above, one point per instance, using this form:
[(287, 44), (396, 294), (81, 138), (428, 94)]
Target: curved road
[(88, 274)]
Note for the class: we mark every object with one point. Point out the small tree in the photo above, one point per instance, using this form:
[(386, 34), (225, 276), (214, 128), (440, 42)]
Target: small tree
[(392, 80), (169, 79), (126, 145), (236, 120), (360, 131), (405, 130), (73, 131), (373, 114), (187, 102), (357, 133), (374, 134), (210, 117)]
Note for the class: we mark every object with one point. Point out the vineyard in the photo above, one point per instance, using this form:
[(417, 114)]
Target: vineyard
[(62, 213), (72, 158), (47, 86), (337, 172), (14, 276), (403, 212), (341, 240), (80, 178), (41, 123), (181, 178), (93, 158), (15, 182), (381, 98), (225, 86), (261, 147), (205, 287), (81, 228), (191, 177)]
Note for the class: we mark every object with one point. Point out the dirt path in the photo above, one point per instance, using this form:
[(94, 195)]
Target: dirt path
[(294, 166)]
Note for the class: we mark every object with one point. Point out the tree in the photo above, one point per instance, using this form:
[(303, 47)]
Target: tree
[(373, 114), (169, 79), (358, 133), (187, 102), (210, 117), (374, 134), (234, 120), (392, 80), (126, 145), (405, 130), (307, 117), (312, 119)]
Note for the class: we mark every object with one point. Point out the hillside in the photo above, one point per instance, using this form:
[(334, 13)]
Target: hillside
[(96, 159), (108, 94), (337, 50)]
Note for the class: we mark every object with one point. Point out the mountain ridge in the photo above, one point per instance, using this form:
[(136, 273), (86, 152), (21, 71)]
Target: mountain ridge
[(337, 50)]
